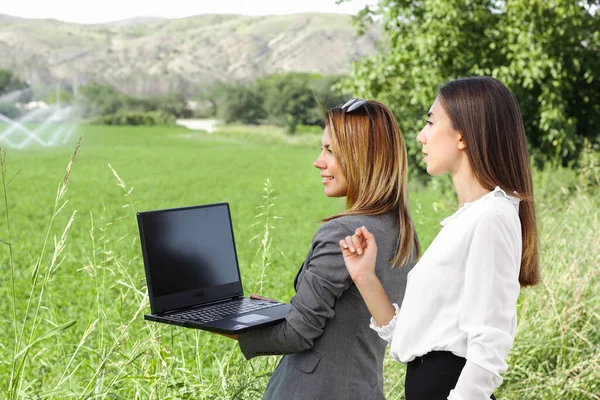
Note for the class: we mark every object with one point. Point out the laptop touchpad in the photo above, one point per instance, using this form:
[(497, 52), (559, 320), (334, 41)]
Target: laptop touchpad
[(250, 318)]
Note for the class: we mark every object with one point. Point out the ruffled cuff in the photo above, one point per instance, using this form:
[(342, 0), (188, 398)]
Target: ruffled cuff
[(386, 332)]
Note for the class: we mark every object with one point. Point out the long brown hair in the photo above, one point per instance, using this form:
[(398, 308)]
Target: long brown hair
[(371, 152), (487, 115)]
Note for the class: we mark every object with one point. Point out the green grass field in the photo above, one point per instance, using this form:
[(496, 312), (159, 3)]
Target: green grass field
[(76, 328)]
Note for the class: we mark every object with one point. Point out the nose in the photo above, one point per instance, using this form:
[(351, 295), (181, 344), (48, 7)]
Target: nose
[(319, 162), (421, 137)]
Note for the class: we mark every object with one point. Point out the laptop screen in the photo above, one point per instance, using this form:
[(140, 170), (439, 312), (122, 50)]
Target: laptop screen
[(188, 249)]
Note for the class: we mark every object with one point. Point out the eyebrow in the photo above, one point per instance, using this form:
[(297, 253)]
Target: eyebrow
[(429, 114), (326, 146)]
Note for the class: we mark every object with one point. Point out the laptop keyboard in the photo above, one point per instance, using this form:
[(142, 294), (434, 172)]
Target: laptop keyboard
[(215, 312)]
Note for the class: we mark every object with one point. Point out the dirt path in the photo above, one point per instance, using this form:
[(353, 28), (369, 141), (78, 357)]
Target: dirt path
[(207, 125)]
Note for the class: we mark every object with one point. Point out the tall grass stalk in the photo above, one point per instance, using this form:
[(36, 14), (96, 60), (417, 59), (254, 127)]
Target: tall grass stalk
[(264, 218), (23, 345), (10, 251), (235, 377)]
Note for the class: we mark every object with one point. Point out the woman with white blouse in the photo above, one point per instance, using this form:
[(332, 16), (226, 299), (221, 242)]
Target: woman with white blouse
[(458, 317)]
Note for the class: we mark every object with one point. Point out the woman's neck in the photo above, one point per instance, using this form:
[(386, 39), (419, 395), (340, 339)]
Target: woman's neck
[(468, 189)]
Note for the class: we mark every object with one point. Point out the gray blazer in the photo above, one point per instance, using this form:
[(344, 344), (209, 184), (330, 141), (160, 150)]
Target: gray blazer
[(331, 351)]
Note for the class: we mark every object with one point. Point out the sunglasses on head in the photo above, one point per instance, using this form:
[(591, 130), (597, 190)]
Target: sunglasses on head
[(355, 104)]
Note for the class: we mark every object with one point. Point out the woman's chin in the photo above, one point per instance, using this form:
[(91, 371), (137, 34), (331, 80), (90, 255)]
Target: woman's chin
[(334, 193), (434, 172)]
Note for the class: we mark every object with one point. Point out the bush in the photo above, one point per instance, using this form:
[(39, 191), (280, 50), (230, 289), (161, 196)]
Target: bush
[(9, 110), (104, 100), (589, 165), (135, 118)]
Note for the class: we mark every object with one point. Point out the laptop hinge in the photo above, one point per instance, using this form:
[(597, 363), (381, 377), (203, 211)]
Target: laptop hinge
[(199, 305)]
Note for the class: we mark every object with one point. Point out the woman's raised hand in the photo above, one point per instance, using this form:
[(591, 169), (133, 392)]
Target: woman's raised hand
[(360, 254)]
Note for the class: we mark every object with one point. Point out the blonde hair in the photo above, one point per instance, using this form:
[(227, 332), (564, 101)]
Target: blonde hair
[(371, 153)]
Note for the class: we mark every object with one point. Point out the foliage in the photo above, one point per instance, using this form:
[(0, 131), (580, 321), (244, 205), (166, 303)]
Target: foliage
[(102, 100), (288, 99), (243, 103), (291, 100), (66, 96), (12, 91), (98, 99), (171, 103), (589, 166), (297, 98), (556, 353), (149, 118), (9, 82), (546, 52), (9, 110)]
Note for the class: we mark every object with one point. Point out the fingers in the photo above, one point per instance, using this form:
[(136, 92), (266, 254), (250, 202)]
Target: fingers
[(357, 243), (345, 246), (352, 245), (367, 236), (349, 247)]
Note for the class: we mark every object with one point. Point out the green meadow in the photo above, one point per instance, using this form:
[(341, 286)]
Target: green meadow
[(73, 286)]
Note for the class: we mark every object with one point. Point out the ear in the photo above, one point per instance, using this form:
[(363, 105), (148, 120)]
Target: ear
[(461, 143)]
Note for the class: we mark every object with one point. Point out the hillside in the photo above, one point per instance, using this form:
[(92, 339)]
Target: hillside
[(146, 55)]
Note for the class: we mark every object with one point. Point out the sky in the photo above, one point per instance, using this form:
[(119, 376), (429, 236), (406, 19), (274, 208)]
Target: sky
[(90, 12)]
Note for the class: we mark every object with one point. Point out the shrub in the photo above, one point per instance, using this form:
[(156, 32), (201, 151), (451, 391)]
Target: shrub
[(136, 118)]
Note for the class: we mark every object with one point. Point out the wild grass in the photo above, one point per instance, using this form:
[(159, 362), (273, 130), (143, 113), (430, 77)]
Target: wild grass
[(72, 325), (557, 350)]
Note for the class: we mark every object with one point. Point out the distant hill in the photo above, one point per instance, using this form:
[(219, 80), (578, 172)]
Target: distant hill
[(146, 55)]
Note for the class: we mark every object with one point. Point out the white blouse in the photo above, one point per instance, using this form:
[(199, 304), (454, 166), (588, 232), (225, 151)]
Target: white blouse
[(462, 295)]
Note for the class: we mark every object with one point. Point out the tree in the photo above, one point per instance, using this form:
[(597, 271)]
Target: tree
[(99, 99), (546, 51), (243, 103), (12, 91), (10, 83), (172, 103), (288, 99), (208, 100), (296, 98)]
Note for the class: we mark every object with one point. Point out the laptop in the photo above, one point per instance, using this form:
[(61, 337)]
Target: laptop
[(193, 274)]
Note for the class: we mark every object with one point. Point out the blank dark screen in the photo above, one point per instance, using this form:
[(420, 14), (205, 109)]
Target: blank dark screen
[(189, 249)]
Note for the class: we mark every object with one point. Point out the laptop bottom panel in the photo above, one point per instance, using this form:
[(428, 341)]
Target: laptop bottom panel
[(231, 325)]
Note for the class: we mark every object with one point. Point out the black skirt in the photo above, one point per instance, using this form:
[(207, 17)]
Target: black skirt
[(433, 376)]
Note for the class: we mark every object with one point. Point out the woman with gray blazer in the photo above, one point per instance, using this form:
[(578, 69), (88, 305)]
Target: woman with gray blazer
[(330, 352)]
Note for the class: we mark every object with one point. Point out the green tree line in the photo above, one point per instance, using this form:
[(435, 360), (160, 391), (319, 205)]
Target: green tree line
[(289, 99), (546, 51)]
